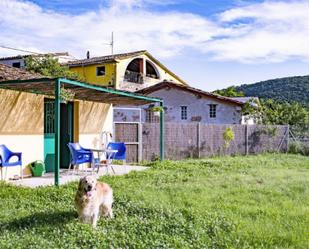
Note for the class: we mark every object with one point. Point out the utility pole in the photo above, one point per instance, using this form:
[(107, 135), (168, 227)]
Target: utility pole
[(111, 43)]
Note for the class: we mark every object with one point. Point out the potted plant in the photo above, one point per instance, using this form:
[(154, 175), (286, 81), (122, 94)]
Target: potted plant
[(66, 95), (157, 110)]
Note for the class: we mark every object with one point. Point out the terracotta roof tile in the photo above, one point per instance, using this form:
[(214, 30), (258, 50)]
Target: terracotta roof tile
[(187, 88), (103, 59), (11, 73), (34, 55)]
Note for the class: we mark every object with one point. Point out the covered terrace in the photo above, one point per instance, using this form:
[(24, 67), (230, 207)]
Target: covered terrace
[(51, 87)]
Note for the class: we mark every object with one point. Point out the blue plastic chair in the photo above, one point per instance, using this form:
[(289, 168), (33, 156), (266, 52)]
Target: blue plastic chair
[(79, 154), (5, 160), (119, 155), (121, 151)]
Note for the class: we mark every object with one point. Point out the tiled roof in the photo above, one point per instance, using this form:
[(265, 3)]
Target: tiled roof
[(34, 55), (254, 101), (245, 99), (11, 73), (104, 59), (187, 88), (115, 57)]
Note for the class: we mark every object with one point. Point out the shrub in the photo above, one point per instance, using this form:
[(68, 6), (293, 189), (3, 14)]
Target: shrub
[(228, 136), (299, 148)]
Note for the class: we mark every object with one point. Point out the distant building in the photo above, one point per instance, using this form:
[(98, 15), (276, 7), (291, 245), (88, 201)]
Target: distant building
[(184, 104), (128, 71), (254, 101), (18, 61)]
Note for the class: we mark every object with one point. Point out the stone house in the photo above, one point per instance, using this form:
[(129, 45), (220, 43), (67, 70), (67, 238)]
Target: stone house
[(254, 102), (187, 104)]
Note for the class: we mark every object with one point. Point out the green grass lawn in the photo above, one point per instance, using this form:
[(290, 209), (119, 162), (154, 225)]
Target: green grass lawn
[(231, 202)]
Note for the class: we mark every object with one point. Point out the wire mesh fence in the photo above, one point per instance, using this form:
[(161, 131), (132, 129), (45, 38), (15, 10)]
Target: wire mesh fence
[(197, 140), (299, 140)]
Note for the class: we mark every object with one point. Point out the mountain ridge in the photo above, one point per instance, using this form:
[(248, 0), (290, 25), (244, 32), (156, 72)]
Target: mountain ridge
[(287, 89)]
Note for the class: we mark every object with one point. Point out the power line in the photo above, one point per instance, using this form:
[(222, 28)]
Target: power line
[(17, 49), (30, 52)]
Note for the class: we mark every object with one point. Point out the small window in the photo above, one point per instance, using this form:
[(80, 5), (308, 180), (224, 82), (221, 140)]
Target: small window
[(151, 117), (16, 64), (212, 111), (101, 71), (184, 115)]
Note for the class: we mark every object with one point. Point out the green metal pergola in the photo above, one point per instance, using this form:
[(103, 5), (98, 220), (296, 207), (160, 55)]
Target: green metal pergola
[(83, 91)]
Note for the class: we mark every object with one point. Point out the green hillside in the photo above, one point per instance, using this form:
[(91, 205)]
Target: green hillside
[(284, 89)]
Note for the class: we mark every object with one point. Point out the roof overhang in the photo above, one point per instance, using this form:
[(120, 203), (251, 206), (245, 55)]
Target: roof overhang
[(195, 91), (83, 91)]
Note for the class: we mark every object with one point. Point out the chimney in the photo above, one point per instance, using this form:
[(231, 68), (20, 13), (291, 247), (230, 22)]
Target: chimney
[(88, 55)]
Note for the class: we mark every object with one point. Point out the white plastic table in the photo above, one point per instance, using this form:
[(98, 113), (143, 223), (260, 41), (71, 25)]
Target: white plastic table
[(109, 155)]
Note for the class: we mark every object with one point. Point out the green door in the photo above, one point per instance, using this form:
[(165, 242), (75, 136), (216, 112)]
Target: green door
[(66, 134)]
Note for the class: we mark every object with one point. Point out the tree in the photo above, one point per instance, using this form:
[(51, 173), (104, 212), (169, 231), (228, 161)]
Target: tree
[(274, 112), (293, 114), (48, 66), (229, 92)]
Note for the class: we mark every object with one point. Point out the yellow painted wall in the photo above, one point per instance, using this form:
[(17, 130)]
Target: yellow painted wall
[(21, 126), (114, 74), (94, 119), (22, 113), (89, 74)]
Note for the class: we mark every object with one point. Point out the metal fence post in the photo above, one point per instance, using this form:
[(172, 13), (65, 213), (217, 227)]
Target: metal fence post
[(161, 133), (140, 142), (57, 130), (288, 139)]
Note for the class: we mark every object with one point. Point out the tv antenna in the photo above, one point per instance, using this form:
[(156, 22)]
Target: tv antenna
[(111, 43)]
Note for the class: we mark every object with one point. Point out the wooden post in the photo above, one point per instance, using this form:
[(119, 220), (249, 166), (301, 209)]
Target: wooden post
[(247, 142), (141, 66), (199, 140)]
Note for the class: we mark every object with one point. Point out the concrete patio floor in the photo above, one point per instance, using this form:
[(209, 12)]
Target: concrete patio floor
[(66, 177)]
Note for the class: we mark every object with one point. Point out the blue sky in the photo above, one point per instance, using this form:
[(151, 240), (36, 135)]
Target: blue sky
[(210, 44), (201, 7)]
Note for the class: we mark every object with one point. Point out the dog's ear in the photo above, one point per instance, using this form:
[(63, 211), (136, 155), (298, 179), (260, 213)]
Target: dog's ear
[(80, 185)]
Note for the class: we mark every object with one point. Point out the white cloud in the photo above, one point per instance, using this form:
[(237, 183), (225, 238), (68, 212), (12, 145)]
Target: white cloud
[(272, 32), (266, 32), (26, 25)]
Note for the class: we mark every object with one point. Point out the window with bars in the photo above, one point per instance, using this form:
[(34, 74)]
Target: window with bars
[(151, 117), (101, 71), (212, 111), (184, 115), (49, 116)]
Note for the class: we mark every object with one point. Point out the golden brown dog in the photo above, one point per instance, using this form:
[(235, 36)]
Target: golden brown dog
[(93, 199)]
